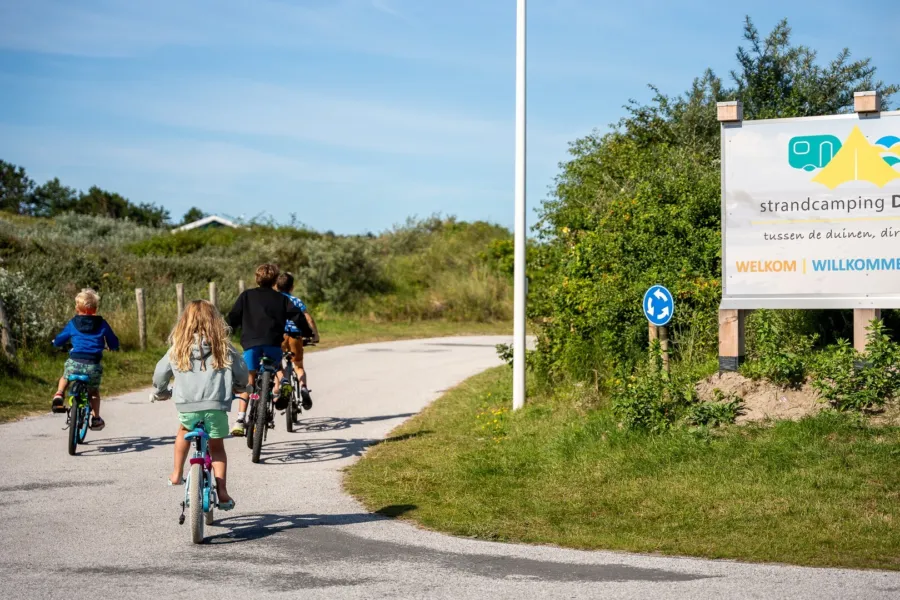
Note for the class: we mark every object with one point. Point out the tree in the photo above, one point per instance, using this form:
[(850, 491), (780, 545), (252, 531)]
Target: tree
[(16, 188), (776, 79), (53, 198), (627, 198), (193, 214), (97, 201)]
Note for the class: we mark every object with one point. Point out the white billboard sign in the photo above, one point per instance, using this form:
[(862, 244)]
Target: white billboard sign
[(811, 212)]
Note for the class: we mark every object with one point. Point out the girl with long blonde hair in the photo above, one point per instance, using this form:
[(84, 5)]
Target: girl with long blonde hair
[(208, 370)]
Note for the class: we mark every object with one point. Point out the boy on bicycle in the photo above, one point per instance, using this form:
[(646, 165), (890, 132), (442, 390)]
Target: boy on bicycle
[(293, 340), (261, 313), (90, 334)]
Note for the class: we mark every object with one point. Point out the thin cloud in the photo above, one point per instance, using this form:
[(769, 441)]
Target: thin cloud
[(387, 8), (119, 28)]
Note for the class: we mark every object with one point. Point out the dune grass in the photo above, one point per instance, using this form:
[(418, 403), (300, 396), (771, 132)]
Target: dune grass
[(823, 491)]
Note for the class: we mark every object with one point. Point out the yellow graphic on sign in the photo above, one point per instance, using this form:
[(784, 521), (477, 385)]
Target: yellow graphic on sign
[(857, 160)]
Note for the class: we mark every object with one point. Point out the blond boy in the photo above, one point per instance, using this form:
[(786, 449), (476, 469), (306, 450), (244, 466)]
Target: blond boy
[(89, 335)]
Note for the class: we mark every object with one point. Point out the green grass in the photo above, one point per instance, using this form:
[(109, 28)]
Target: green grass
[(823, 491), (28, 388)]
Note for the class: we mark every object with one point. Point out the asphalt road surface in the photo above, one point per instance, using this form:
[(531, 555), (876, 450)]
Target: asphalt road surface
[(104, 524)]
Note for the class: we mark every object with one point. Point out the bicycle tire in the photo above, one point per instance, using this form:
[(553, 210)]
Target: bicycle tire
[(289, 415), (196, 499), (248, 423), (211, 481), (74, 413), (261, 416), (85, 422)]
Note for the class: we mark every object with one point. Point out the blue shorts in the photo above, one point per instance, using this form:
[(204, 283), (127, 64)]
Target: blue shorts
[(252, 356)]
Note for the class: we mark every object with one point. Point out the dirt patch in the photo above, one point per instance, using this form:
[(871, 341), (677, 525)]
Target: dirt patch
[(762, 399)]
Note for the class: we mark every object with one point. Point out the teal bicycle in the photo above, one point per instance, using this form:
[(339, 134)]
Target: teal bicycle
[(79, 414), (200, 494), (200, 488)]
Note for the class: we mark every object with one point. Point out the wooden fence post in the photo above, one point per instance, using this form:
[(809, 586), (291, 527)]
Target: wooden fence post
[(6, 338), (213, 296), (664, 346), (862, 318), (142, 318), (661, 334), (240, 286), (179, 293), (731, 339)]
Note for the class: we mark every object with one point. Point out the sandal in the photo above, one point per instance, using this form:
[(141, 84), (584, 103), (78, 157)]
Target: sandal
[(224, 506), (97, 423)]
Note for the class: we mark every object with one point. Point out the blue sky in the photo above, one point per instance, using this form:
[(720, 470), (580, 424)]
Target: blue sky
[(354, 114)]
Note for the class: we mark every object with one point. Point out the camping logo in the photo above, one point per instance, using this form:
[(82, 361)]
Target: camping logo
[(856, 159)]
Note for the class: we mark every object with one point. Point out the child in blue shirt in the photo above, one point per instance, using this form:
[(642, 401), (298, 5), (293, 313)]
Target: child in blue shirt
[(89, 334)]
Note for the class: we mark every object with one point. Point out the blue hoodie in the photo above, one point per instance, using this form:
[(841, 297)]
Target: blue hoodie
[(89, 335)]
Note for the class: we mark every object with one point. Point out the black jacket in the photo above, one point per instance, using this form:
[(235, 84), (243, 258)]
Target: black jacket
[(261, 313)]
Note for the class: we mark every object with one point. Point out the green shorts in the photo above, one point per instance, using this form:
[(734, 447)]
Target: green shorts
[(93, 371), (215, 422)]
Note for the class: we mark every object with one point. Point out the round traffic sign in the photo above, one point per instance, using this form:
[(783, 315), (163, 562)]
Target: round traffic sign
[(659, 305)]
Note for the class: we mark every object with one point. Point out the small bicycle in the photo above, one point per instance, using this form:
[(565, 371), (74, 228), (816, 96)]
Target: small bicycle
[(200, 488), (200, 493), (298, 395), (261, 408), (79, 414)]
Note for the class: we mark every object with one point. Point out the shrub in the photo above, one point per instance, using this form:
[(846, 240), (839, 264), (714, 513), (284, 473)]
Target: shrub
[(722, 411), (778, 348), (854, 381), (23, 307), (651, 399), (183, 243), (341, 272), (641, 205)]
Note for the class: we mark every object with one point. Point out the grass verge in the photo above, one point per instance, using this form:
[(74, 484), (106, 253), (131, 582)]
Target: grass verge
[(823, 491), (28, 387)]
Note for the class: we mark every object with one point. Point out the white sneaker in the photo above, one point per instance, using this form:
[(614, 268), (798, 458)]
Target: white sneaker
[(237, 429)]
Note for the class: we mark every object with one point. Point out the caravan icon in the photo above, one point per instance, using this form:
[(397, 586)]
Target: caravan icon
[(811, 152)]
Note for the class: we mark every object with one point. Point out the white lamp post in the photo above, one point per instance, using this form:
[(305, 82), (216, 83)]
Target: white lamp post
[(519, 281)]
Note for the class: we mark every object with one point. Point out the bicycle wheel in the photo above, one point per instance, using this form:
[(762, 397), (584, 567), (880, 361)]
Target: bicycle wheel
[(85, 423), (249, 416), (209, 491), (261, 417), (195, 497), (74, 425), (289, 414)]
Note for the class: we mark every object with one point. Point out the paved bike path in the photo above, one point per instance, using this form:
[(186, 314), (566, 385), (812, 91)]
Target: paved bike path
[(104, 523)]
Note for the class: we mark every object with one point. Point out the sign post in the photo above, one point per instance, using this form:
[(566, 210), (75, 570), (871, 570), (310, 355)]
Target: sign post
[(659, 306)]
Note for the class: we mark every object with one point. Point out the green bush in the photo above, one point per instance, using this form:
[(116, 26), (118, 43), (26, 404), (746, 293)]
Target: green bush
[(722, 411), (778, 348), (641, 205), (341, 272), (651, 399), (854, 381), (183, 243), (23, 309)]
